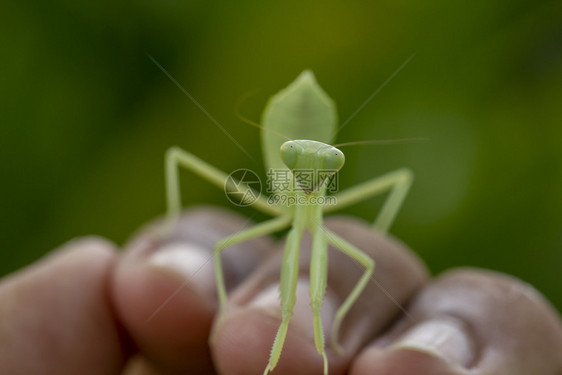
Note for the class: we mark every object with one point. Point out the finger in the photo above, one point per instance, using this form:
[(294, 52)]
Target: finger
[(164, 287), (244, 339), (471, 322), (55, 317)]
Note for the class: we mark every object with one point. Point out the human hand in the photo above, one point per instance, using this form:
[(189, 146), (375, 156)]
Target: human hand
[(84, 310)]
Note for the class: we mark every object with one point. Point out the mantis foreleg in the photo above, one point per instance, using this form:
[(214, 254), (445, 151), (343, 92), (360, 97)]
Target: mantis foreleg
[(318, 279), (288, 287), (262, 229)]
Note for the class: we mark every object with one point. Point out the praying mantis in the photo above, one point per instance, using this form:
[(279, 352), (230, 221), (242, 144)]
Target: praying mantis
[(298, 125)]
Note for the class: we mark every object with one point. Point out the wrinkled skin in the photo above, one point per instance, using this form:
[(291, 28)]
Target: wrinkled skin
[(88, 309)]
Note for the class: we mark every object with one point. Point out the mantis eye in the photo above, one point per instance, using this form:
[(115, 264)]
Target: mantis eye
[(333, 159), (289, 153)]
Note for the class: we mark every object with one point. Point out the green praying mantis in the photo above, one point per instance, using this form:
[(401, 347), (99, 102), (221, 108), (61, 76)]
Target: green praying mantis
[(298, 125)]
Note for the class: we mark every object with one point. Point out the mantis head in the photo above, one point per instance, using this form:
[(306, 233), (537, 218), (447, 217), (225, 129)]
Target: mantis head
[(311, 162)]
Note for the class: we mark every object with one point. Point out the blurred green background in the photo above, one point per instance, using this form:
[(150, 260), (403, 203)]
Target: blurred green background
[(86, 117)]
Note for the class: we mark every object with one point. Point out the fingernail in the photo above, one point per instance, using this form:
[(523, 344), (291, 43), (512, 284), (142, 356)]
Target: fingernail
[(444, 338), (191, 262), (269, 300)]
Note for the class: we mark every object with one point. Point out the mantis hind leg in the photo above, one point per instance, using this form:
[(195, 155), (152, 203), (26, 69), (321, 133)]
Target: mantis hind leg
[(363, 259), (398, 182), (288, 288)]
